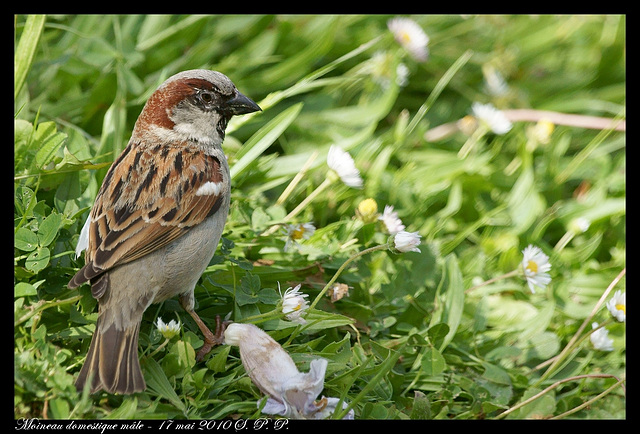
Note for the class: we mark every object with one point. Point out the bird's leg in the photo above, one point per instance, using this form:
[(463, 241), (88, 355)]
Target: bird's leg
[(210, 339)]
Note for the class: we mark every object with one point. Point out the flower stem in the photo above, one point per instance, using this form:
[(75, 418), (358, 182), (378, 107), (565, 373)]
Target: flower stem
[(262, 317), (566, 239), (574, 340), (294, 182), (162, 345), (42, 305), (591, 401), (495, 279), (577, 344), (341, 269), (319, 189), (327, 182), (553, 386)]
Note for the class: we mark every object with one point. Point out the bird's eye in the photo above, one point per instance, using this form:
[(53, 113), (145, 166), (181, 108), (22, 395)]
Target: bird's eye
[(206, 97)]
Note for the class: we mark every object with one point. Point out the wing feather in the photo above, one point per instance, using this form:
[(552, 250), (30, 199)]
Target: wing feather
[(151, 196)]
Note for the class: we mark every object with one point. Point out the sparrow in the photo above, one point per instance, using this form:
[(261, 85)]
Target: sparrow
[(157, 220)]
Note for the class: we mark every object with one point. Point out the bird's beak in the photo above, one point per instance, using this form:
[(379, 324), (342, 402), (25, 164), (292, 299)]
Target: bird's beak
[(240, 105)]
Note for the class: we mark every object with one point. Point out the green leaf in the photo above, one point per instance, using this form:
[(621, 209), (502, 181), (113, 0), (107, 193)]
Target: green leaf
[(381, 370), (59, 408), (38, 260), (48, 140), (437, 333), (525, 203), (454, 299), (247, 292), (180, 359), (127, 409), (421, 406), (540, 408), (24, 289), (496, 374), (316, 320), (259, 219), (49, 228), (158, 382), (268, 296), (432, 362), (22, 131), (25, 240), (218, 362)]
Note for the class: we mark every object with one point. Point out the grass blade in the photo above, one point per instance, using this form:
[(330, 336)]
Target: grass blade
[(261, 140), (26, 50)]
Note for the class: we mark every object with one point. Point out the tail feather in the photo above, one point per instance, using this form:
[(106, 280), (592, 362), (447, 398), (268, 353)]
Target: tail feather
[(112, 361)]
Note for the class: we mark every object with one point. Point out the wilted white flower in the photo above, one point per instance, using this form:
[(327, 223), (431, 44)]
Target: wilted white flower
[(411, 36), (341, 162), (338, 291), (618, 306), (294, 304), (600, 338), (168, 330), (490, 116), (290, 393), (407, 241), (390, 219), (300, 231), (535, 265)]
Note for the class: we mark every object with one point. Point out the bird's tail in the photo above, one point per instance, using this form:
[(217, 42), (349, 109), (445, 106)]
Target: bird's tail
[(112, 361)]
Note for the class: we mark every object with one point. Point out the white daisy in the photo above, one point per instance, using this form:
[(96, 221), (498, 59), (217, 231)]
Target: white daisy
[(407, 241), (411, 36), (294, 304), (618, 306), (390, 219), (490, 116), (600, 338), (341, 162), (300, 231), (535, 265), (168, 330)]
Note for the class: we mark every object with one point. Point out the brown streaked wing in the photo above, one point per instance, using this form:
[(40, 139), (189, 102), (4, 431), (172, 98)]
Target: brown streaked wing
[(150, 201)]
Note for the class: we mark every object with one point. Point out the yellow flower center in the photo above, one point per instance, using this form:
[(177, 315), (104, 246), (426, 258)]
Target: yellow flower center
[(405, 37), (621, 307), (297, 233), (532, 266)]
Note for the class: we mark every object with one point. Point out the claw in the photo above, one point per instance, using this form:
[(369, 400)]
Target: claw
[(210, 339)]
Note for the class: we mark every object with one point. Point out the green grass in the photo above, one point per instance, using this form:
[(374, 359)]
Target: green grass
[(410, 340)]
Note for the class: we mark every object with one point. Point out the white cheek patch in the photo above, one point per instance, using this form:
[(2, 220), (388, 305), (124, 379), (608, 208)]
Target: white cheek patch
[(209, 188)]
